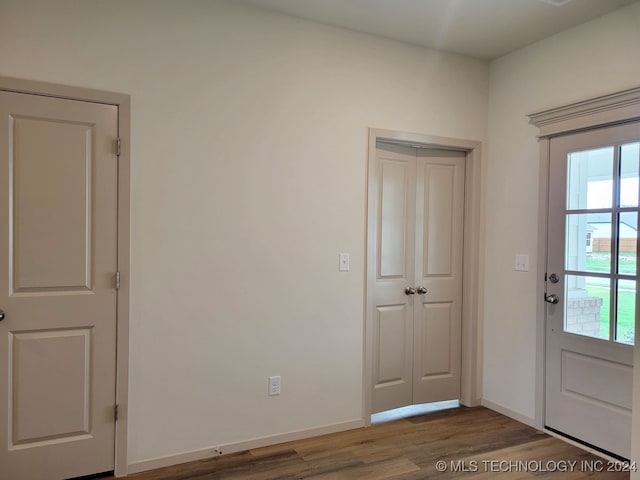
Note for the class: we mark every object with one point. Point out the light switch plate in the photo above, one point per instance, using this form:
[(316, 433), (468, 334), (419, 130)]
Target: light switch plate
[(343, 263), (522, 262)]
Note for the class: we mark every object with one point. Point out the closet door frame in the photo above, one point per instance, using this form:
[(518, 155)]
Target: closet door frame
[(471, 313)]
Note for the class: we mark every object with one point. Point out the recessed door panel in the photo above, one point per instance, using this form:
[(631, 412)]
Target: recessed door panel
[(597, 380), (393, 216), (439, 221), (435, 340), (49, 399), (393, 348), (51, 209)]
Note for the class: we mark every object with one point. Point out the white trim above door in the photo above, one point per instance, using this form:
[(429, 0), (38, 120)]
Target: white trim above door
[(470, 371)]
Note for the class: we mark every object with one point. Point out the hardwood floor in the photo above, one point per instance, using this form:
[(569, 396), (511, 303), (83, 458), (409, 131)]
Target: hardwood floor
[(474, 443)]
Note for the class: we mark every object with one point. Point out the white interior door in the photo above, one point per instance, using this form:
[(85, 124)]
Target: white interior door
[(438, 273), (392, 238), (416, 205), (58, 233), (591, 285)]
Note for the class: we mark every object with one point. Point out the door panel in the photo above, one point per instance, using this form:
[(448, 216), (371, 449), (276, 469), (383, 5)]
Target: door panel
[(439, 228), (612, 390), (438, 225), (394, 239), (58, 229), (591, 253), (435, 359), (394, 189), (50, 225), (417, 199), (49, 400), (392, 369)]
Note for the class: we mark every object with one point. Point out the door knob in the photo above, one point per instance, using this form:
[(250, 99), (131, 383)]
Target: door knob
[(553, 299), (553, 278), (409, 291), (421, 290), (1, 315)]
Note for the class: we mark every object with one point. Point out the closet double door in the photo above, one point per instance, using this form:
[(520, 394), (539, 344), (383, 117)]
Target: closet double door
[(416, 217)]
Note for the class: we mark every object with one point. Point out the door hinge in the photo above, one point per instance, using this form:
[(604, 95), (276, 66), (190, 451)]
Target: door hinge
[(117, 280), (115, 413), (118, 146)]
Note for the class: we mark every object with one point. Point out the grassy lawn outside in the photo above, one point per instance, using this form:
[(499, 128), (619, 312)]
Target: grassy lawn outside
[(626, 312), (600, 262)]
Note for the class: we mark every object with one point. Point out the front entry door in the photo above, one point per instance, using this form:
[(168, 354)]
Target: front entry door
[(591, 285), (58, 232), (415, 280)]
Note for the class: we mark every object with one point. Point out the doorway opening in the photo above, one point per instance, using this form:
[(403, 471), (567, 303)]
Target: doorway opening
[(421, 343)]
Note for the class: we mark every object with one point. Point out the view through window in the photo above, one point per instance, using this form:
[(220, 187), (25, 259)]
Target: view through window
[(601, 242)]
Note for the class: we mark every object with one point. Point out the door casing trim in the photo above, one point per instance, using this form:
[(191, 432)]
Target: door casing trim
[(541, 307), (471, 367), (123, 102)]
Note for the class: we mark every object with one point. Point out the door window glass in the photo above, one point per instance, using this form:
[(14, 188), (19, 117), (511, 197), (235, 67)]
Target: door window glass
[(629, 163), (584, 239), (627, 243), (626, 311), (587, 306), (589, 179), (601, 242)]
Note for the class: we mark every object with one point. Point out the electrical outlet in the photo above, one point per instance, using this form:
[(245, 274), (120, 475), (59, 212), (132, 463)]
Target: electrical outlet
[(275, 385)]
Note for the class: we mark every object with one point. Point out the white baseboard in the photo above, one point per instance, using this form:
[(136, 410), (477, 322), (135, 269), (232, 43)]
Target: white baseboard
[(508, 412), (169, 460)]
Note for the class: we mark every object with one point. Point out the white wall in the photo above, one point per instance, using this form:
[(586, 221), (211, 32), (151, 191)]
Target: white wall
[(249, 137), (593, 59)]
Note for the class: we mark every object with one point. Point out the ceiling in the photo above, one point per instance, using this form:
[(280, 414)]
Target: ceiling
[(485, 29)]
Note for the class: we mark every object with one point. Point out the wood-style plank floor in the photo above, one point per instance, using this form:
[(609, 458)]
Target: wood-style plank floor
[(473, 443)]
